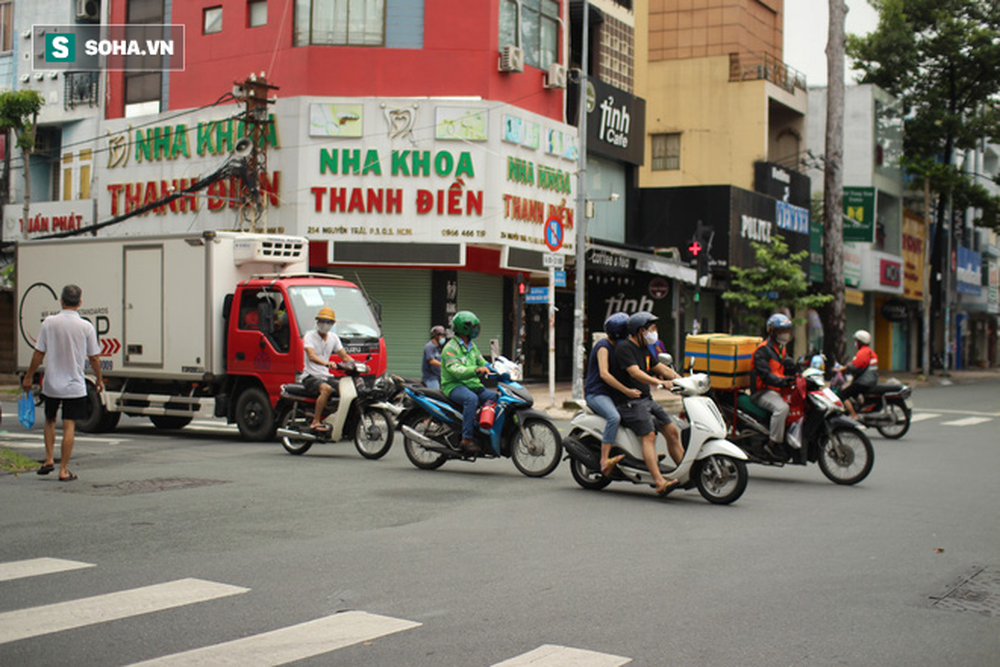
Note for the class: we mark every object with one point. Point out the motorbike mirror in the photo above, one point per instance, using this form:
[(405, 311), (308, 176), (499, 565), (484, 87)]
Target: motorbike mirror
[(665, 358)]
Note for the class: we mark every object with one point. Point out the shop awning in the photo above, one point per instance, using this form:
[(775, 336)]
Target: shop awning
[(648, 262)]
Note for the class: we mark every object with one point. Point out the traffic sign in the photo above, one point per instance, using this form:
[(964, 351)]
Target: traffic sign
[(560, 278), (553, 234), (538, 295), (553, 260)]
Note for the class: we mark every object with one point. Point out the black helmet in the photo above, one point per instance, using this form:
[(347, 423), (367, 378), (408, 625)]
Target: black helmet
[(616, 326), (641, 320)]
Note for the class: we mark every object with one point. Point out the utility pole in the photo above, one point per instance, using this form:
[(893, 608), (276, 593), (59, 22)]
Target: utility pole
[(581, 213), (928, 269), (833, 185), (253, 92)]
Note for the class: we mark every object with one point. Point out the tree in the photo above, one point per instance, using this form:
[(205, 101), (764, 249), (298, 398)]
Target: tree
[(776, 282), (835, 319), (18, 111)]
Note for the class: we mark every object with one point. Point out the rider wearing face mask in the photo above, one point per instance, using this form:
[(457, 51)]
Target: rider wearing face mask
[(864, 368), (430, 367), (462, 366), (320, 345), (769, 378), (636, 368)]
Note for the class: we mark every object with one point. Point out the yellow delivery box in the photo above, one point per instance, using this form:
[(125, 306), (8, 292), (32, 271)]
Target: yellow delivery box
[(727, 359)]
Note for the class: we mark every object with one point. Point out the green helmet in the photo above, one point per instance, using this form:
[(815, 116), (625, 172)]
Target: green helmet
[(466, 324)]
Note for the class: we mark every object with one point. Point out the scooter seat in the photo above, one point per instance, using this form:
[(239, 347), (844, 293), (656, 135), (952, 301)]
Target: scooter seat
[(435, 394), (298, 390), (884, 388), (746, 404)]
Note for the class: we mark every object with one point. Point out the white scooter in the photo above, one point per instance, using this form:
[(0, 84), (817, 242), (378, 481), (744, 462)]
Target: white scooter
[(712, 463)]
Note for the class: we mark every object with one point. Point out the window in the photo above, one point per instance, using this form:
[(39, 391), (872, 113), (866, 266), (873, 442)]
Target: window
[(340, 22), (143, 89), (539, 21), (6, 26), (257, 13), (212, 22), (666, 151)]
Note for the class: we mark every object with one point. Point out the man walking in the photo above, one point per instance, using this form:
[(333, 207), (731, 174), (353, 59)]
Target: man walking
[(68, 340)]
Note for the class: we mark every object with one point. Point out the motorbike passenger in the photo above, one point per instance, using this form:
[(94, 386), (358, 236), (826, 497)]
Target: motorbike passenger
[(320, 345), (770, 378), (430, 366), (601, 386), (634, 368), (461, 367), (864, 368)]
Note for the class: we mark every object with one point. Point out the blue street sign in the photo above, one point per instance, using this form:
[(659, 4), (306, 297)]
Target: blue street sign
[(537, 295)]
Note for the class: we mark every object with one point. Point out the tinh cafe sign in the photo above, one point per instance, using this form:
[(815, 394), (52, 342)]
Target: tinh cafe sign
[(616, 123)]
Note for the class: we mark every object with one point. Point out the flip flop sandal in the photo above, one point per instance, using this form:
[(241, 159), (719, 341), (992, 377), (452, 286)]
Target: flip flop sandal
[(610, 466), (45, 470), (667, 488), (68, 478)]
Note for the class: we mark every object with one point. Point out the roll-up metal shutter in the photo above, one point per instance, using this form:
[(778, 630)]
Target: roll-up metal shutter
[(405, 296), (483, 295)]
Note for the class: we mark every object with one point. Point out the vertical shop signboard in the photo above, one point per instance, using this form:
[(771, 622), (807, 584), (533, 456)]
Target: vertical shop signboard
[(859, 214)]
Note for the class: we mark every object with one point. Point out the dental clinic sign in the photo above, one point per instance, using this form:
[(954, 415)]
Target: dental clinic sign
[(970, 272), (616, 123), (91, 47)]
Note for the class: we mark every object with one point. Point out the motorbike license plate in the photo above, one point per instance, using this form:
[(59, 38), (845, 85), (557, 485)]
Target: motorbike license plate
[(908, 402)]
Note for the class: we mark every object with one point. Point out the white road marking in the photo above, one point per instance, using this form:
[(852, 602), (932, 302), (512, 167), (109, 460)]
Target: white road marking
[(922, 416), (76, 438), (550, 655), (965, 412), (20, 569), (295, 642), (968, 421), (36, 621)]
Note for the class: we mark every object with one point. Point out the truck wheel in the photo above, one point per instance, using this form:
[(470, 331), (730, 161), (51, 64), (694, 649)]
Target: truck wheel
[(169, 422), (254, 415), (99, 420)]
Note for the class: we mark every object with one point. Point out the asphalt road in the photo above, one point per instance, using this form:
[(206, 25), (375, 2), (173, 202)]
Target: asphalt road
[(493, 565)]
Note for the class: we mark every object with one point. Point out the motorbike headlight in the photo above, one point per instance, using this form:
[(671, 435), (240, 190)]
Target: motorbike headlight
[(362, 368)]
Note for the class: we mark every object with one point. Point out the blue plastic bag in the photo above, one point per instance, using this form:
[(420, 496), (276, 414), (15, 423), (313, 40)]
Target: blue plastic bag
[(26, 410)]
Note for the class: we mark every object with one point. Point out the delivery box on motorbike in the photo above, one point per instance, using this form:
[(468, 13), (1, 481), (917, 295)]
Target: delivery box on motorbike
[(727, 359)]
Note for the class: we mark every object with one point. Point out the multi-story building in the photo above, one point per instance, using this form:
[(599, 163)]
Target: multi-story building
[(725, 135)]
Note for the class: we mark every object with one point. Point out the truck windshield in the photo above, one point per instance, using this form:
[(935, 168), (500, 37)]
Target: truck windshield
[(354, 317)]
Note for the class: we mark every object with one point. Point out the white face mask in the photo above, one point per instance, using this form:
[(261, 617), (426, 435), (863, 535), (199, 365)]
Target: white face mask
[(652, 337), (783, 339), (442, 340), (324, 327)]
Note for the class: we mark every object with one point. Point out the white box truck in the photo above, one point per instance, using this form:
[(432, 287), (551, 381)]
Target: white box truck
[(206, 324)]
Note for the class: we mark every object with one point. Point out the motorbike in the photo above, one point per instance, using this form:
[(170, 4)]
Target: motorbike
[(886, 407), (817, 430), (432, 427), (711, 463), (361, 410)]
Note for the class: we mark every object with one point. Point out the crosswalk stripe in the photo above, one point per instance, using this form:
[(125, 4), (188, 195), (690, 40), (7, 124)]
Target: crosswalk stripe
[(922, 416), (550, 655), (20, 569), (25, 623), (968, 421), (295, 642)]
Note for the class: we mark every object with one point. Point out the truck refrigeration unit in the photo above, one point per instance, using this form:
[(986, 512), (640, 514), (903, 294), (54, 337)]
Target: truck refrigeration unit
[(195, 325)]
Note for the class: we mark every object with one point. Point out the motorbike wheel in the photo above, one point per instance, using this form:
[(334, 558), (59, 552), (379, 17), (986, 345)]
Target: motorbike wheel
[(847, 456), (541, 453), (592, 480), (373, 434), (901, 417), (293, 421), (423, 458), (721, 479)]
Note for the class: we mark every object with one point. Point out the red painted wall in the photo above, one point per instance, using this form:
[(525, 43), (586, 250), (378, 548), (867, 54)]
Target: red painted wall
[(459, 58)]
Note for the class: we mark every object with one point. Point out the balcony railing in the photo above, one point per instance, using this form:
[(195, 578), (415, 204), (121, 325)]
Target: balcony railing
[(82, 88), (754, 67)]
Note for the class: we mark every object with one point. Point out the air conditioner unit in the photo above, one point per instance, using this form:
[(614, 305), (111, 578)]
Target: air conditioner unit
[(556, 76), (88, 10), (511, 58)]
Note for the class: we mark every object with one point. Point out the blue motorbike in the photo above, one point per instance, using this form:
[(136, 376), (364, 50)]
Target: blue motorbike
[(432, 428)]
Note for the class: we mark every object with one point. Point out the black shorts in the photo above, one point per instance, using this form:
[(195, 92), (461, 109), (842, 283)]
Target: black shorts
[(313, 382), (854, 389), (72, 408), (643, 415)]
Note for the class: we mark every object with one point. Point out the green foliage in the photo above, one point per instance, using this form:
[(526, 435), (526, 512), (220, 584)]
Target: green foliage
[(940, 58), (7, 275), (776, 283), (17, 112)]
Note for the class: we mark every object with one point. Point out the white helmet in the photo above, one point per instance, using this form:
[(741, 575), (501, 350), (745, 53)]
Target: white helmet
[(863, 337)]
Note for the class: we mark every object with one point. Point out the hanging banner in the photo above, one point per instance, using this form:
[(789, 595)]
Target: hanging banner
[(859, 214), (914, 247)]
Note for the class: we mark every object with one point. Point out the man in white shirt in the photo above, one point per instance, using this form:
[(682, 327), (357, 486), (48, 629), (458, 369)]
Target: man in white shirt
[(68, 340), (320, 345)]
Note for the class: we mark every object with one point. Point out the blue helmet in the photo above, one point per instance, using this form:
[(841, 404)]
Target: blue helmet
[(778, 321), (616, 326)]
